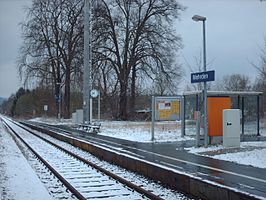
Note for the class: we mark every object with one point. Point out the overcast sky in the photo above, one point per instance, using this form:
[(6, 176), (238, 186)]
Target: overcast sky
[(235, 30), (11, 14)]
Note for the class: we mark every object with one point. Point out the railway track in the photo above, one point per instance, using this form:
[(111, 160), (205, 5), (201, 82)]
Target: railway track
[(85, 180)]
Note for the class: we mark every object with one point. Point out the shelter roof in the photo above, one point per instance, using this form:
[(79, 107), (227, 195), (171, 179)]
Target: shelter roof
[(224, 93)]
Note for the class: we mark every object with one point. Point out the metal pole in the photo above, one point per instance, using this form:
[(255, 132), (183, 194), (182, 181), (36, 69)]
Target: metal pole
[(87, 62), (197, 128), (59, 101), (99, 105), (90, 110), (152, 117), (183, 118), (258, 115), (205, 88), (243, 116), (197, 102), (238, 102), (60, 105)]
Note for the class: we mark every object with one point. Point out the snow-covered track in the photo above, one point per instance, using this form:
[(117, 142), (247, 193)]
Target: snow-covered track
[(83, 178)]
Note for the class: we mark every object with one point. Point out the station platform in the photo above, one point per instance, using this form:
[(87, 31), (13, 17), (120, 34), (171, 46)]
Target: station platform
[(240, 179), (173, 155)]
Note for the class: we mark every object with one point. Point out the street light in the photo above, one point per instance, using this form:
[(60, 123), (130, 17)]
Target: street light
[(203, 19), (198, 18)]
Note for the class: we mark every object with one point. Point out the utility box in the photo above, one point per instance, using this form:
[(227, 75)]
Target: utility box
[(74, 118), (79, 116), (231, 128)]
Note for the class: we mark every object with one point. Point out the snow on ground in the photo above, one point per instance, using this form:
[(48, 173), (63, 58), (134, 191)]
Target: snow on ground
[(133, 131), (17, 179), (250, 153), (141, 131), (255, 158), (52, 121)]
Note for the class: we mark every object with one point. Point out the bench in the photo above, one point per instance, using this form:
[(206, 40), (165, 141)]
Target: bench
[(91, 127)]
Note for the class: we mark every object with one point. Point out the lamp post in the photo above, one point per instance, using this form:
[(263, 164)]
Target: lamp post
[(198, 18)]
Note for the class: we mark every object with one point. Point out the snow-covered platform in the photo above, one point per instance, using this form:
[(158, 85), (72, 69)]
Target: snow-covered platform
[(171, 163)]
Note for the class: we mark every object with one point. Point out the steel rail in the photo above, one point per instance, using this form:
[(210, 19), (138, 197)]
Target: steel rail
[(62, 179), (108, 173), (182, 160)]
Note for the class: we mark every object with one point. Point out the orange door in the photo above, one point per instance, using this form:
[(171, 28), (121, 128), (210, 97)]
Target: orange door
[(215, 107)]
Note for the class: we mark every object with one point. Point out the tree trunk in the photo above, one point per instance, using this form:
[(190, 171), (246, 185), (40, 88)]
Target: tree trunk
[(67, 95), (133, 90), (123, 101), (57, 91)]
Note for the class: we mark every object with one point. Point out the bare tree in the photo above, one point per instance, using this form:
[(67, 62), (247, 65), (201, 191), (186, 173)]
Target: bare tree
[(261, 67), (236, 82), (131, 39), (137, 38), (197, 66), (260, 82), (52, 48)]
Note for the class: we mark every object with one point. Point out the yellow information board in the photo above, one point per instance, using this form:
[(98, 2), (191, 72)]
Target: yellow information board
[(167, 108)]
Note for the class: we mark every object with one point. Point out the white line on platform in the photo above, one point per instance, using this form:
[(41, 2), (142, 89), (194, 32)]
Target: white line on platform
[(171, 165)]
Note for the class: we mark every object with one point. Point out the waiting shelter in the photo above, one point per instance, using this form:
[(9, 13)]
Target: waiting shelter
[(249, 104)]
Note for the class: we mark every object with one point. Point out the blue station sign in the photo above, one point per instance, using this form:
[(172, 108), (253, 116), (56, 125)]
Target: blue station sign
[(202, 76)]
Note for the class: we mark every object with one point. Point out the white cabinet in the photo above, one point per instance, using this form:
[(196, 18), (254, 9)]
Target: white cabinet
[(77, 117), (231, 128)]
